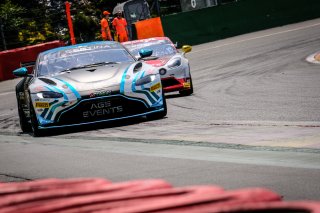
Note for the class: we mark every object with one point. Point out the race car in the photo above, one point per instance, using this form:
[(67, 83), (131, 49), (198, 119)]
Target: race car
[(173, 66), (85, 84)]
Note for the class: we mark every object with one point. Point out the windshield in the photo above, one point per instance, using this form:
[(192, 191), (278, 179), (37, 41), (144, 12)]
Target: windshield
[(158, 50), (70, 59)]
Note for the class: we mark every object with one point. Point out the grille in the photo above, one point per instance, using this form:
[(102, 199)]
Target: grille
[(97, 109)]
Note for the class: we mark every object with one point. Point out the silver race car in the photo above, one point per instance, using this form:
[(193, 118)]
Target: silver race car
[(87, 83), (173, 66)]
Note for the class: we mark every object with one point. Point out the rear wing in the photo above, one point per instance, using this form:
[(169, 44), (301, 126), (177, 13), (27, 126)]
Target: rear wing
[(27, 64)]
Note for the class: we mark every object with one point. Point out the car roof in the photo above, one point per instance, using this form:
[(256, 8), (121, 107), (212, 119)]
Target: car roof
[(146, 40), (77, 46)]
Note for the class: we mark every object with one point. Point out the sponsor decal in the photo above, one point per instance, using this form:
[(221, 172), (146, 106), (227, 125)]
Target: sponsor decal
[(42, 105), (101, 109), (100, 93), (155, 87), (186, 85), (42, 100)]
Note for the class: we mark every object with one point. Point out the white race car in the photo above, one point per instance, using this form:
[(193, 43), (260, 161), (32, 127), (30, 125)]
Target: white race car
[(173, 66), (85, 84)]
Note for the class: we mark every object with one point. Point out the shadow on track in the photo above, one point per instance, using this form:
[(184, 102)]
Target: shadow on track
[(174, 95), (91, 127)]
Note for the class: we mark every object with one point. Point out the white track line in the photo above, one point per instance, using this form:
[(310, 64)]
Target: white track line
[(258, 37), (6, 93)]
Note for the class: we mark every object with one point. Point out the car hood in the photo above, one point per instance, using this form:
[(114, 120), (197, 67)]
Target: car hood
[(83, 81), (159, 62), (94, 74)]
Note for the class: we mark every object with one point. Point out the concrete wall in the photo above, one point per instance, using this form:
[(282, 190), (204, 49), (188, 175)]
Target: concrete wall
[(243, 16)]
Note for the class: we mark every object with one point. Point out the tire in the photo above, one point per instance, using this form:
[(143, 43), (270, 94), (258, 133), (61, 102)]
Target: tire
[(24, 124), (161, 114), (188, 91), (36, 132)]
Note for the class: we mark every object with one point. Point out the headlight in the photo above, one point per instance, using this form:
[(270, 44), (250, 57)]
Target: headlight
[(145, 80), (174, 62), (49, 94)]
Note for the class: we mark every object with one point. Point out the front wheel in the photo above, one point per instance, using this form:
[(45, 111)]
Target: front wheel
[(24, 124), (36, 132), (161, 114)]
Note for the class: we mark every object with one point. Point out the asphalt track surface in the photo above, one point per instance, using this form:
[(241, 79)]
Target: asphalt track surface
[(254, 120)]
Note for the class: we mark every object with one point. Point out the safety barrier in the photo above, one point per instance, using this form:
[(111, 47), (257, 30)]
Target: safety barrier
[(243, 16), (12, 59), (100, 195)]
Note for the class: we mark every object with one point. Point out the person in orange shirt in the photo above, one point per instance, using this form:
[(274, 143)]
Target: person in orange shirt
[(105, 29), (120, 25)]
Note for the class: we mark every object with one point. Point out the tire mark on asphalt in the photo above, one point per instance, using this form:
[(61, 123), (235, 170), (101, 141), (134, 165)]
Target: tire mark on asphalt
[(179, 106), (13, 178), (177, 143), (202, 144)]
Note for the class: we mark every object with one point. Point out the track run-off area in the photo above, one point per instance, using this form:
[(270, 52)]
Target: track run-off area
[(253, 120)]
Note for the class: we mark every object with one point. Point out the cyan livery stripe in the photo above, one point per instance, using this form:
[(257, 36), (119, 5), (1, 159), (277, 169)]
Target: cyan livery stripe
[(158, 102), (71, 88), (54, 108), (153, 93), (43, 114), (142, 86), (51, 88), (62, 92), (141, 92), (55, 89), (123, 80)]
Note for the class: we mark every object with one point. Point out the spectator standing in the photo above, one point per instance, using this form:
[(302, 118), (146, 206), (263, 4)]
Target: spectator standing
[(105, 29), (120, 25)]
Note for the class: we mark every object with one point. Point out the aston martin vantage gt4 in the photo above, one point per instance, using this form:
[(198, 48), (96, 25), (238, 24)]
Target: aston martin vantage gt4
[(85, 84), (173, 66)]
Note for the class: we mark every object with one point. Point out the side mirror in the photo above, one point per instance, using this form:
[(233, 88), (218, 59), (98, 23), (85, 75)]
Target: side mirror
[(186, 48), (145, 53), (21, 72)]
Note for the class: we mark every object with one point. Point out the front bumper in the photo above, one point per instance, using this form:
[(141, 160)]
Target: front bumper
[(102, 109), (172, 84)]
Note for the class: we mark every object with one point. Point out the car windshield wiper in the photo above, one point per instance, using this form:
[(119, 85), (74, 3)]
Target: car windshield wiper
[(73, 68), (98, 64), (88, 66)]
